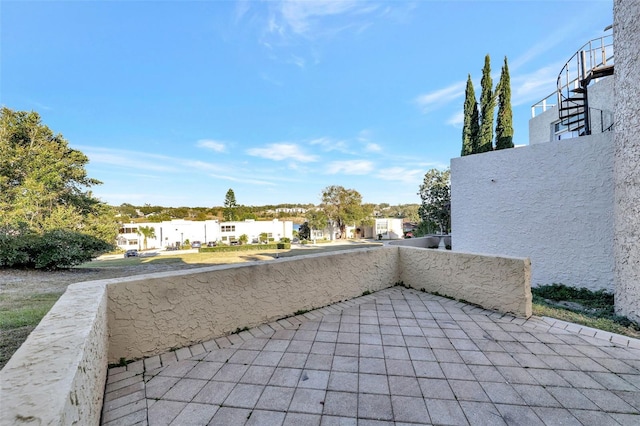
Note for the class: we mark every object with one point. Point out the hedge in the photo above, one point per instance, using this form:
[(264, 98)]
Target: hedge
[(246, 247)]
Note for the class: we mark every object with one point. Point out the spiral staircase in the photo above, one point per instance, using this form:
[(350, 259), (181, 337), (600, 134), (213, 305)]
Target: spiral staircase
[(590, 63)]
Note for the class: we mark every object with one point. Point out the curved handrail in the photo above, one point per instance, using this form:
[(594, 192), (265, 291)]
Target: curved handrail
[(579, 70)]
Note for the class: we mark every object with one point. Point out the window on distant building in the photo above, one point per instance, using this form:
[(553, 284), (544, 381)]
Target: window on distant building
[(382, 228), (133, 242), (228, 228)]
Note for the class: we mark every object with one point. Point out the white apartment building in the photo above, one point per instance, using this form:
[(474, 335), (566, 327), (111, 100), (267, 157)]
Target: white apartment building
[(176, 232)]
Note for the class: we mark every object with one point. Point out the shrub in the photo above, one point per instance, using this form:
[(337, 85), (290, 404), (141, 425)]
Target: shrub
[(248, 247), (57, 249)]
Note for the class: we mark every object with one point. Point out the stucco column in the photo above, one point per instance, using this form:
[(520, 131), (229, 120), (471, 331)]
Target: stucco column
[(626, 32)]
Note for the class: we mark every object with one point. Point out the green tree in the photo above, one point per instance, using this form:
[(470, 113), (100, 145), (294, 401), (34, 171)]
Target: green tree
[(44, 188), (487, 106), (504, 122), (316, 220), (435, 192), (244, 239), (146, 232), (344, 207), (304, 233), (471, 125), (230, 206)]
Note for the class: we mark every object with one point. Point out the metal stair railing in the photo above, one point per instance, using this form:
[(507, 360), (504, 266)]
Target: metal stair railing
[(593, 60)]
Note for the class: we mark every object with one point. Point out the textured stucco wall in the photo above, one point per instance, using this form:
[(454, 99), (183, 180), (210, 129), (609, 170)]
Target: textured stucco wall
[(552, 203), (158, 312), (498, 283), (57, 376), (626, 29), (540, 126)]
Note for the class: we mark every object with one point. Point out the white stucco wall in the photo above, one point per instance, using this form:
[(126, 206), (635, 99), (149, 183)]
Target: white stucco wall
[(550, 202), (627, 157)]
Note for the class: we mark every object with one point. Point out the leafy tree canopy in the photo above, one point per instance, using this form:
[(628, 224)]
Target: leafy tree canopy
[(230, 206), (44, 186), (344, 207), (435, 193)]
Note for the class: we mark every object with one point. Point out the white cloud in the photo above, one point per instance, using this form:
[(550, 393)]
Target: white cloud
[(457, 119), (330, 144), (299, 15), (372, 147), (211, 144), (534, 86), (401, 174), (350, 167), (436, 99), (243, 180), (282, 151)]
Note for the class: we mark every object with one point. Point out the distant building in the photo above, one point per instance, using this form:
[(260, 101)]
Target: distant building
[(176, 232)]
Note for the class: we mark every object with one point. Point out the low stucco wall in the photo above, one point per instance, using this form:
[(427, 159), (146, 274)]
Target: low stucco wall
[(499, 283), (57, 376), (156, 313)]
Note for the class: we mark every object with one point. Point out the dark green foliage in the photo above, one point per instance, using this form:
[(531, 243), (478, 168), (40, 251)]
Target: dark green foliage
[(504, 123), (487, 106), (230, 206), (471, 125), (48, 217), (57, 249), (595, 304), (304, 232)]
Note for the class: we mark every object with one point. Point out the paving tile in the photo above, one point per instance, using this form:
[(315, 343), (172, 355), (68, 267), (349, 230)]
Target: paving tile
[(163, 412), (301, 419), (124, 410), (428, 369), (307, 401), (204, 370), (373, 383), (231, 416), (467, 390), (445, 412), (319, 361), (501, 393), (196, 414), (159, 385), (556, 416), (372, 365), (343, 381), (179, 369), (285, 377), (571, 398), (517, 375), (371, 351), (347, 349), (340, 403), (481, 413), (404, 386), (314, 379), (409, 409), (609, 401), (338, 421), (612, 381), (399, 367), (184, 390), (293, 360), (275, 398), (436, 388), (230, 373), (376, 407), (214, 393), (137, 418), (547, 377), (244, 396), (456, 371), (265, 418)]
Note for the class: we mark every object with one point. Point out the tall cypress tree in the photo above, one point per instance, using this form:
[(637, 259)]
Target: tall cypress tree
[(504, 122), (471, 126), (487, 105)]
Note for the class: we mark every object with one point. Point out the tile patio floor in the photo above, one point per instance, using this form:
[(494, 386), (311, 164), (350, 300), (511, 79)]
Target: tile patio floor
[(397, 356)]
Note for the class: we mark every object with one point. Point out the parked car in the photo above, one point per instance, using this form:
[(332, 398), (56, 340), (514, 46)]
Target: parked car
[(211, 244), (131, 253), (196, 244), (235, 243)]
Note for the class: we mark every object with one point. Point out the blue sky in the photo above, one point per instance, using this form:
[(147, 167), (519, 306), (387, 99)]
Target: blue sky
[(175, 102)]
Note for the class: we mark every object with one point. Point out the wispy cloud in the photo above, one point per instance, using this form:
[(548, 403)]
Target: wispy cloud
[(243, 180), (128, 159), (401, 174), (301, 16), (436, 99), (457, 119), (282, 151), (329, 144), (533, 86), (211, 144), (351, 167)]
